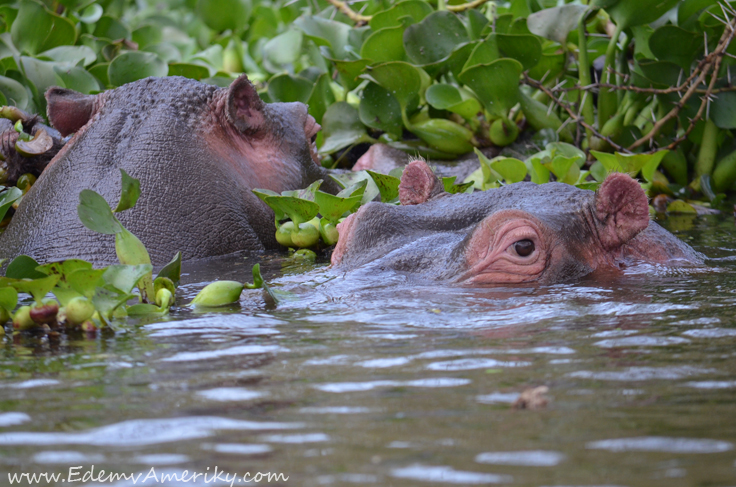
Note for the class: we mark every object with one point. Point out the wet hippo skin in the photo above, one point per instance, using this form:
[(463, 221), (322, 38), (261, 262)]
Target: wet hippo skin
[(198, 150), (522, 232)]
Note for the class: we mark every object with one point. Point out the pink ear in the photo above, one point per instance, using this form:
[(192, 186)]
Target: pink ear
[(622, 210), (69, 111), (418, 184), (244, 106)]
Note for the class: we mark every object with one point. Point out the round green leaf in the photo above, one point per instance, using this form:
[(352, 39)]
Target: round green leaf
[(287, 88), (325, 32), (220, 15), (333, 207), (435, 37), (297, 209), (385, 45), (511, 170), (187, 70), (723, 112), (134, 65), (14, 92), (380, 110), (110, 28), (320, 98), (400, 79), (557, 22), (341, 127), (78, 79), (628, 13), (95, 213), (23, 267), (37, 29), (414, 11), (282, 50), (71, 54), (91, 14), (671, 43), (496, 84)]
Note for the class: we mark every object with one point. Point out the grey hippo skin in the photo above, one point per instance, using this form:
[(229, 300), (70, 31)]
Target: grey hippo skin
[(198, 150), (522, 232)]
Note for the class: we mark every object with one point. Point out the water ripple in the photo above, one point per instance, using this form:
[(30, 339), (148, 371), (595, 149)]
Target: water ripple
[(661, 444), (140, 432), (448, 475)]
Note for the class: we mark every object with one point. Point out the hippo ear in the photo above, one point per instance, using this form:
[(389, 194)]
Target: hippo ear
[(244, 106), (418, 184), (69, 111), (622, 210)]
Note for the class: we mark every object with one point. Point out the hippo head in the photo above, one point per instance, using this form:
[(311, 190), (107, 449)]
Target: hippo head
[(198, 151), (519, 233), (265, 145)]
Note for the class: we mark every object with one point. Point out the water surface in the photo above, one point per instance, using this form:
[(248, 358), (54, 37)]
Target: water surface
[(376, 380)]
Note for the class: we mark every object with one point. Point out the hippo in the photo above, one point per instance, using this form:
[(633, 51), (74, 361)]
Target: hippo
[(519, 233), (198, 151)]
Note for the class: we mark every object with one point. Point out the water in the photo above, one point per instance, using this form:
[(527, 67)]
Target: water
[(375, 381)]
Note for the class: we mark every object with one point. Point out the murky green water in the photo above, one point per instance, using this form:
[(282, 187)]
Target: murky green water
[(370, 380)]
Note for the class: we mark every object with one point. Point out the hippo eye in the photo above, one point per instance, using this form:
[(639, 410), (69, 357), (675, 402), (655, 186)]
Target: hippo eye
[(524, 247)]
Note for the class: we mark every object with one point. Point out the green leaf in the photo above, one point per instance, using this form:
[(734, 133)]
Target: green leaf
[(325, 32), (85, 281), (414, 11), (8, 298), (341, 127), (221, 15), (129, 192), (388, 186), (71, 54), (282, 51), (125, 277), (400, 79), (435, 37), (510, 169), (38, 288), (23, 267), (288, 88), (78, 79), (297, 209), (172, 270), (131, 251), (143, 309), (564, 168), (723, 111), (628, 13), (557, 22), (110, 28), (448, 97), (496, 84), (629, 163), (95, 213), (14, 92), (333, 207), (380, 110), (385, 45), (189, 70), (539, 173), (134, 65), (452, 188), (7, 199), (37, 29), (107, 299), (689, 45)]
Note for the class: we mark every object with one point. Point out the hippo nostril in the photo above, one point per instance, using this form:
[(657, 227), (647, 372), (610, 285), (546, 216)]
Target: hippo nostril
[(524, 247)]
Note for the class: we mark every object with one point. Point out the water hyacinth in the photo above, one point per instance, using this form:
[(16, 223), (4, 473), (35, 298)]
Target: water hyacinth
[(218, 293)]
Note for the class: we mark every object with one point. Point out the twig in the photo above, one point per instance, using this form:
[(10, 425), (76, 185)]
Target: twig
[(466, 6), (354, 16), (573, 116)]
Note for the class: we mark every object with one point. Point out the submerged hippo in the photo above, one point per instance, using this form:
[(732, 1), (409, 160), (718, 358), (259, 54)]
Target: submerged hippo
[(198, 150), (519, 233)]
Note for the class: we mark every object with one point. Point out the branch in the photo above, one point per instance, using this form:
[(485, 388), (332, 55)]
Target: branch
[(573, 116), (712, 60), (354, 16), (466, 6)]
